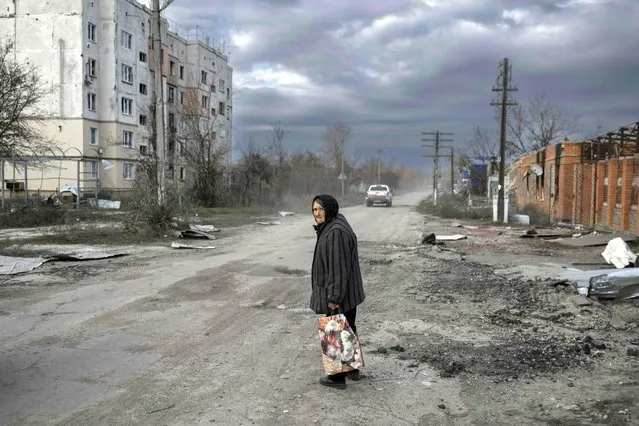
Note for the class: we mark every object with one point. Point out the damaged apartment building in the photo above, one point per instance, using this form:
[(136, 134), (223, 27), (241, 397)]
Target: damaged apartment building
[(594, 183), (96, 59)]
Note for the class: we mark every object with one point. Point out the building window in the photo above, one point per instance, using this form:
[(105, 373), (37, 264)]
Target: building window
[(143, 150), (94, 135), (172, 122), (91, 32), (181, 72), (205, 102), (203, 77), (127, 74), (204, 125), (93, 170), (171, 94), (181, 98), (182, 173), (221, 108), (127, 106), (92, 66), (222, 86), (228, 93), (91, 104), (222, 130), (126, 40), (142, 57), (172, 68), (143, 90), (127, 139), (213, 112), (128, 170), (142, 120)]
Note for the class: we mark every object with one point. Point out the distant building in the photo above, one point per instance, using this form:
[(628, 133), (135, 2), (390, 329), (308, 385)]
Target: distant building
[(97, 58)]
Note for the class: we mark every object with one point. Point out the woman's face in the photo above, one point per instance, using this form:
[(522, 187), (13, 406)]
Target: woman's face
[(318, 213)]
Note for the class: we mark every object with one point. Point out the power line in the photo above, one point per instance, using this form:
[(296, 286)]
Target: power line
[(504, 87), (437, 140)]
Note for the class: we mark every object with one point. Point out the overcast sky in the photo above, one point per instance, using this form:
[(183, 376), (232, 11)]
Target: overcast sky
[(391, 69)]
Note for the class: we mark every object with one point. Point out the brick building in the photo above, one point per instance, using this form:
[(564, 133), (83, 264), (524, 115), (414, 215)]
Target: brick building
[(593, 183)]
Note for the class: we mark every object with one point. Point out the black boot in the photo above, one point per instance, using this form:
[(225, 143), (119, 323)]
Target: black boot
[(337, 381), (353, 375)]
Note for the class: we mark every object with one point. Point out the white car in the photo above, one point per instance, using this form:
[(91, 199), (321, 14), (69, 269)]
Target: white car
[(379, 194)]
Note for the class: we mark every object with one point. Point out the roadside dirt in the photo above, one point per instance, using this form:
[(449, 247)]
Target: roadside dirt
[(477, 335)]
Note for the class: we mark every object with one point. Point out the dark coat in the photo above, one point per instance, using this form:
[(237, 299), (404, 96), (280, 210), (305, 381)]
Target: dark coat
[(335, 275)]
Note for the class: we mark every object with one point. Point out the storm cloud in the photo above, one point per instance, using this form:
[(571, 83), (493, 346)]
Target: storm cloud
[(391, 69)]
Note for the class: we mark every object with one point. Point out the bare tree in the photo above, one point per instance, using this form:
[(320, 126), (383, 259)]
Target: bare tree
[(201, 147), (276, 147), (483, 145), (335, 138), (20, 90), (537, 125)]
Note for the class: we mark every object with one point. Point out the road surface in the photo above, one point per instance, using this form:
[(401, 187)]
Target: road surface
[(220, 336)]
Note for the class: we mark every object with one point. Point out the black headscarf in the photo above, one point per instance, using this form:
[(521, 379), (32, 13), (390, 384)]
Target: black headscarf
[(331, 209)]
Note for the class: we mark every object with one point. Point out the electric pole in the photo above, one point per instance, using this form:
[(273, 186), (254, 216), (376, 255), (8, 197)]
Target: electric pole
[(160, 140), (437, 140), (379, 166), (504, 87)]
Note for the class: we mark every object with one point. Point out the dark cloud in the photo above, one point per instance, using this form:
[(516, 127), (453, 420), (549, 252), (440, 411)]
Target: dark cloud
[(392, 69)]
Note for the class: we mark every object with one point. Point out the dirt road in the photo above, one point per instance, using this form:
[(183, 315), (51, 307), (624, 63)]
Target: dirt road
[(224, 336)]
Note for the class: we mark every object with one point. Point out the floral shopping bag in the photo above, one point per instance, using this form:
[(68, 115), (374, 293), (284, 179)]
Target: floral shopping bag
[(341, 351)]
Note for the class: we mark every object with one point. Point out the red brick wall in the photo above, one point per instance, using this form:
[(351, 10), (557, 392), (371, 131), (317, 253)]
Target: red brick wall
[(578, 194)]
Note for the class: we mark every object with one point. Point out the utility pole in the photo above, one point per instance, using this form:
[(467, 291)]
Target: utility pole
[(452, 169), (437, 140), (504, 87), (342, 177), (160, 139), (379, 166)]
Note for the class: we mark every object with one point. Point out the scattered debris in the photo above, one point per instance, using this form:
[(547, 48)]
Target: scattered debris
[(618, 253), (285, 214), (382, 350), (196, 235), (381, 261), (429, 239), (522, 219), (622, 284), (457, 224), (18, 265), (161, 409), (205, 228), (398, 348), (177, 245), (455, 237), (633, 352), (268, 223), (104, 204), (87, 255), (593, 240)]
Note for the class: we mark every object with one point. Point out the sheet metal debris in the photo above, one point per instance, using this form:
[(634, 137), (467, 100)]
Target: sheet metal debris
[(18, 265), (593, 240), (205, 228), (196, 235), (622, 284), (177, 245), (285, 214), (269, 223)]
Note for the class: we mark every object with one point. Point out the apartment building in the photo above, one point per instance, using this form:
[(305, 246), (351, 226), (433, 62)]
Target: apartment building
[(97, 58)]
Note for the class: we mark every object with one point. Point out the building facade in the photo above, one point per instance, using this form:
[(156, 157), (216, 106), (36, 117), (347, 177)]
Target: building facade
[(592, 183), (97, 58)]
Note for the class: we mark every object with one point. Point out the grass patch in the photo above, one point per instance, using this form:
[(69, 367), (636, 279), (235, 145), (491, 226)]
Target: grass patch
[(453, 207)]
